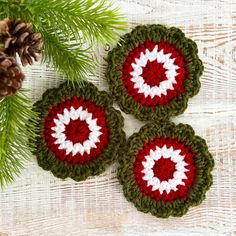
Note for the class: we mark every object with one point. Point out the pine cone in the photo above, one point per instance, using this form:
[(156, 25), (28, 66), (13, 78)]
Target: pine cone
[(17, 37), (11, 76)]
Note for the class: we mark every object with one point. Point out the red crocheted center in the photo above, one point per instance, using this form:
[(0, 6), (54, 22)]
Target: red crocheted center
[(164, 169), (154, 73), (76, 131)]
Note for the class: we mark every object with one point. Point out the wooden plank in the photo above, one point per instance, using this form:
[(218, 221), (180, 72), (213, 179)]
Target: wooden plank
[(39, 204)]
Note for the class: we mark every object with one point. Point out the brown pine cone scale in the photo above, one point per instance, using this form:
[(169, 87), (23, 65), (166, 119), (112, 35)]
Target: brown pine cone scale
[(11, 76), (18, 37)]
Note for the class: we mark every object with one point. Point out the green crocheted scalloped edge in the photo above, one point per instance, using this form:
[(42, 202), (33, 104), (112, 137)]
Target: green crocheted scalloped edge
[(155, 33), (204, 163), (115, 121)]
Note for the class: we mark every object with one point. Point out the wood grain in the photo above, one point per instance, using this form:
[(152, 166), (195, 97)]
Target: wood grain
[(39, 204)]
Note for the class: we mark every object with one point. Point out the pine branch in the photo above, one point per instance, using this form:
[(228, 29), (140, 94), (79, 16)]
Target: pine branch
[(96, 20), (90, 21), (16, 128), (69, 57)]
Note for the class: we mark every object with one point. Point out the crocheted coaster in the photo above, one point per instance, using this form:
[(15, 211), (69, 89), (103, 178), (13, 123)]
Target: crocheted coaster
[(153, 71), (165, 169), (80, 132)]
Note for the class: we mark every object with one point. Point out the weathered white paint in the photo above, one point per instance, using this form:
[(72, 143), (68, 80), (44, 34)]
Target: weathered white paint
[(39, 204)]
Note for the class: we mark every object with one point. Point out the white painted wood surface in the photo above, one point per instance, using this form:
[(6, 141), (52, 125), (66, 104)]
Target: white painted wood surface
[(39, 204)]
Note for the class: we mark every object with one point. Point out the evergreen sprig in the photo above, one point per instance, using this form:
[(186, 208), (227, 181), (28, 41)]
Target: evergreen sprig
[(16, 129), (70, 28), (68, 57)]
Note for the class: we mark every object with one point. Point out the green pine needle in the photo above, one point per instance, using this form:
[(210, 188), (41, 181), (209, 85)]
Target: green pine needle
[(62, 22), (16, 129)]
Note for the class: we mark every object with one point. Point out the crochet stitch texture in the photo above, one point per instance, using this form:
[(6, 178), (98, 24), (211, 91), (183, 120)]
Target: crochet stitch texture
[(165, 169), (80, 133), (153, 72)]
